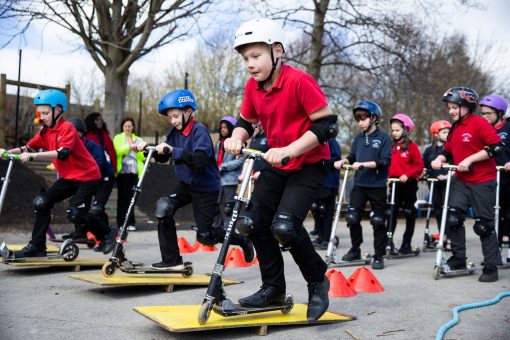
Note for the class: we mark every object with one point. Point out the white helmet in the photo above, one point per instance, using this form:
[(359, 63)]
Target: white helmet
[(259, 30)]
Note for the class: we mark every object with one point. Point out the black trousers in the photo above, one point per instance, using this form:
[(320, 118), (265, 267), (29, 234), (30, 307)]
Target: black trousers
[(292, 193), (438, 201), (405, 197), (102, 196), (81, 193), (377, 198), (324, 219), (204, 209), (125, 185)]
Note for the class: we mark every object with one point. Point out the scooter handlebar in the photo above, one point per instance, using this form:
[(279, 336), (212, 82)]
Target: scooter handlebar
[(349, 167), (452, 166), (166, 149), (14, 157), (259, 155)]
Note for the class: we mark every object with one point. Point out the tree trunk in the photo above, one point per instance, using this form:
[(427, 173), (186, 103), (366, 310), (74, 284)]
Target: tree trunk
[(314, 67), (115, 98)]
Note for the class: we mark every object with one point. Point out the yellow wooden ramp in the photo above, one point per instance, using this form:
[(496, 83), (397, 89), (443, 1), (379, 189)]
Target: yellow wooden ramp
[(184, 318), (18, 247), (75, 265), (166, 280)]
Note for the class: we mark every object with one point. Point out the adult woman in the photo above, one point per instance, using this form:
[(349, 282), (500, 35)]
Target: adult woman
[(129, 168)]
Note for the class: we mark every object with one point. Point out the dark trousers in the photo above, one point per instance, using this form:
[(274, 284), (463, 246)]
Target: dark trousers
[(204, 210), (81, 193), (101, 197), (226, 195), (324, 219), (504, 203), (405, 197), (125, 185), (291, 193), (481, 198), (377, 198), (438, 201)]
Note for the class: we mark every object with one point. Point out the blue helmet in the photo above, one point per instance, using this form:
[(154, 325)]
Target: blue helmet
[(177, 99), (51, 98), (369, 106)]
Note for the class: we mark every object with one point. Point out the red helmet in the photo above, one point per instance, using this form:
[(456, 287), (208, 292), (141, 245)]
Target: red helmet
[(438, 125)]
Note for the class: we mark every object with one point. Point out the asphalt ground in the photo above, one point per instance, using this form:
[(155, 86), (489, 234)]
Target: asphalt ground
[(44, 303)]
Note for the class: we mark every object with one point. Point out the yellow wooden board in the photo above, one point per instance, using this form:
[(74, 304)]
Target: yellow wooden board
[(18, 247), (169, 280), (183, 318), (74, 265)]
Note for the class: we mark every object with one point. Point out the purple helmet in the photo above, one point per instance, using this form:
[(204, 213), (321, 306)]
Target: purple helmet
[(229, 119), (496, 102), (404, 119)]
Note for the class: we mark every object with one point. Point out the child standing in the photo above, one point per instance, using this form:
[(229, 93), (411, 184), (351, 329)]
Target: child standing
[(439, 131), (294, 112), (370, 157), (473, 143), (192, 154), (79, 175), (493, 109), (407, 166)]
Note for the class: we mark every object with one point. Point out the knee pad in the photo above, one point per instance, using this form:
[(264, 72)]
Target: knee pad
[(482, 228), (454, 219), (76, 215), (248, 220), (41, 203), (228, 208), (165, 208), (283, 229), (96, 209), (318, 207), (377, 221), (352, 217), (409, 212)]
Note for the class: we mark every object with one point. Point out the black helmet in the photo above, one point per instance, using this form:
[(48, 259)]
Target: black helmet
[(78, 124), (462, 96)]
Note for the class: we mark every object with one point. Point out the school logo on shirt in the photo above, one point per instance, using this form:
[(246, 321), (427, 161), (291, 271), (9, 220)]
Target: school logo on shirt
[(404, 154), (185, 99), (466, 137), (376, 143), (503, 136)]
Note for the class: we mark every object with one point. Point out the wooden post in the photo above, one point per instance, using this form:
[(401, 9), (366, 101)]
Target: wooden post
[(3, 107), (68, 95)]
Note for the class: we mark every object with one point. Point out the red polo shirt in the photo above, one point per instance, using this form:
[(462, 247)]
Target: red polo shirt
[(284, 111), (409, 162), (79, 166), (468, 137)]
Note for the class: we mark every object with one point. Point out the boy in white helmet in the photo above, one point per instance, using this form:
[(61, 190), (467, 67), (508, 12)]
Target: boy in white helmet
[(294, 113)]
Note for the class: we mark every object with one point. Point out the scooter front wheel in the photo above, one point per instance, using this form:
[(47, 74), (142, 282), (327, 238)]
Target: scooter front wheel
[(70, 252), (108, 269), (188, 270), (204, 312)]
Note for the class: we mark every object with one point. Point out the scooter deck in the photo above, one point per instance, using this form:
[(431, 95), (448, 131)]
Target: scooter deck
[(340, 263), (242, 310), (183, 318), (50, 249), (415, 252), (90, 243)]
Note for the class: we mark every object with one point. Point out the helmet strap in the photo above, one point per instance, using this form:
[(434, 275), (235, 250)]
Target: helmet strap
[(53, 118), (185, 122), (273, 68)]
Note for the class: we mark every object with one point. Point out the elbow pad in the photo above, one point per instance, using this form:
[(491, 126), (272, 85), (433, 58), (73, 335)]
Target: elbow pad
[(242, 123), (63, 153), (495, 150), (325, 128)]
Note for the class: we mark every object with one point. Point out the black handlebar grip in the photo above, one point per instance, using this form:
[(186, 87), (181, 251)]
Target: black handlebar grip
[(166, 150), (361, 167)]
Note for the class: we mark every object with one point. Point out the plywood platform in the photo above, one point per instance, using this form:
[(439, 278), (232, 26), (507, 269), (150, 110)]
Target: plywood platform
[(18, 247), (166, 280), (183, 318), (75, 265)]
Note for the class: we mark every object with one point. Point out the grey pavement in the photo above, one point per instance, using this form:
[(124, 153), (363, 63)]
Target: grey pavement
[(45, 303)]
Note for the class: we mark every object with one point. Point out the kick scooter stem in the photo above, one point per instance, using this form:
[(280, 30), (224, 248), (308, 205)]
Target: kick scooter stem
[(11, 157), (439, 254)]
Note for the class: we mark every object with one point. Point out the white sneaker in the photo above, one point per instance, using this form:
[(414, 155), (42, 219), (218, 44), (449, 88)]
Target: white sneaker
[(131, 228)]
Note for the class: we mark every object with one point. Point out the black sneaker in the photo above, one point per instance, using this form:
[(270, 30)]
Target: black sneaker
[(109, 241), (322, 245), (30, 251), (489, 274), (352, 254), (454, 263), (318, 240), (378, 262), (266, 296), (405, 248), (99, 247), (318, 300), (167, 266)]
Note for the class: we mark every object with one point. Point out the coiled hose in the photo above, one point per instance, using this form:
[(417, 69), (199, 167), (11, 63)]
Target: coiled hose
[(444, 328)]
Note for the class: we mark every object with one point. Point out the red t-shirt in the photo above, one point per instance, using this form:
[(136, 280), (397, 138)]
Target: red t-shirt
[(409, 162), (283, 112), (79, 166), (468, 137)]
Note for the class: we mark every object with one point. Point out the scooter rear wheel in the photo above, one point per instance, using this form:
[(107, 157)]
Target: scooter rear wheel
[(108, 269), (188, 270), (287, 309), (204, 313), (70, 252)]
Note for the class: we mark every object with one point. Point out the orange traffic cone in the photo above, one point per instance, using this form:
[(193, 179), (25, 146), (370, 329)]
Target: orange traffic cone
[(91, 236), (184, 246), (235, 258), (362, 280), (338, 285), (197, 246)]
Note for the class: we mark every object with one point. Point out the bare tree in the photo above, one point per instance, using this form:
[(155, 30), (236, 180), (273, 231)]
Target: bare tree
[(116, 33)]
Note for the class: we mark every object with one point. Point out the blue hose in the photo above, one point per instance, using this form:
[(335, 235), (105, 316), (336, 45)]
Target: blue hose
[(444, 328)]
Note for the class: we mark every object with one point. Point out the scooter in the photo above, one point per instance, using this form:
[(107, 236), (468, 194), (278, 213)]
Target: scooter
[(53, 238), (428, 243), (389, 232), (441, 267), (216, 299), (332, 260), (497, 208), (118, 258)]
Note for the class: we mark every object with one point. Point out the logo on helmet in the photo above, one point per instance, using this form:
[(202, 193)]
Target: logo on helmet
[(185, 99), (467, 96)]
